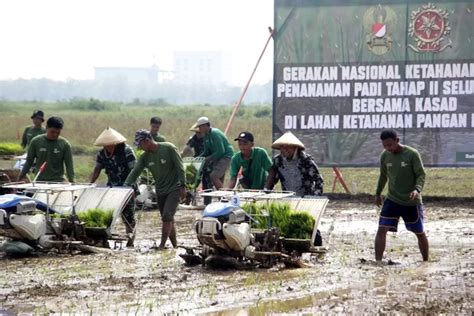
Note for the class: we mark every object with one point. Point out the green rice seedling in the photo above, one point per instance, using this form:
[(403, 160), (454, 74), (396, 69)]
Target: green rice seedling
[(299, 225), (10, 149), (292, 224), (96, 217), (191, 174)]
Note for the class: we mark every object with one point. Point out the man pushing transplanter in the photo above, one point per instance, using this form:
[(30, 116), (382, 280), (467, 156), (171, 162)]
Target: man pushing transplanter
[(166, 166), (402, 168)]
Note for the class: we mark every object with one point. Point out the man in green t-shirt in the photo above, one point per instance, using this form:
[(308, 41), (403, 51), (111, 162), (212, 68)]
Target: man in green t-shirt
[(155, 125), (250, 165), (402, 167), (52, 151), (33, 130), (166, 166), (217, 151)]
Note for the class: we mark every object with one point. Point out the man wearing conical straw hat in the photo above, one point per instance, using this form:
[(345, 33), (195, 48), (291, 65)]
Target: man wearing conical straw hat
[(118, 159), (295, 169)]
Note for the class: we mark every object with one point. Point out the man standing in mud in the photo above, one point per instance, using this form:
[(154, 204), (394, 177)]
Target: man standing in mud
[(402, 167), (166, 166), (50, 152), (36, 129), (217, 151), (118, 159), (155, 125)]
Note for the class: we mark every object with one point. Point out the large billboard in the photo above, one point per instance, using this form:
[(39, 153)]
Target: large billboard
[(345, 70)]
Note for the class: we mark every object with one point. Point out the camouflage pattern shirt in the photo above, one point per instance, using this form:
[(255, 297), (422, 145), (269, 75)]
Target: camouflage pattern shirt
[(118, 166), (301, 176)]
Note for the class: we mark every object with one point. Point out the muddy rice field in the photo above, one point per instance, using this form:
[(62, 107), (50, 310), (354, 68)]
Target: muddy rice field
[(344, 280)]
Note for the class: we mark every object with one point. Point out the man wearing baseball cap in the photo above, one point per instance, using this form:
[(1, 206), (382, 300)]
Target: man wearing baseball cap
[(217, 150), (250, 166), (166, 166), (33, 130)]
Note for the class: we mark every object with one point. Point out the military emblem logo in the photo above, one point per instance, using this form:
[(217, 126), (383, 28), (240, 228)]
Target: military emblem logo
[(429, 27), (377, 23)]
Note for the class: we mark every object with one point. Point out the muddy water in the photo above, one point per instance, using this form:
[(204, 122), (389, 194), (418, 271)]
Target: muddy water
[(144, 280)]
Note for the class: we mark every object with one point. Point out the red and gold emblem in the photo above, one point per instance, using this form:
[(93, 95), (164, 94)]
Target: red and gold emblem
[(378, 22), (429, 27)]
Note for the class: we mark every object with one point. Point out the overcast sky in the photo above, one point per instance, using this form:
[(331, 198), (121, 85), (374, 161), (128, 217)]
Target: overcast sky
[(61, 39)]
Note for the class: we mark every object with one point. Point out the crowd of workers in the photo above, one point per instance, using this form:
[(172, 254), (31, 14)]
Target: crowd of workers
[(251, 168)]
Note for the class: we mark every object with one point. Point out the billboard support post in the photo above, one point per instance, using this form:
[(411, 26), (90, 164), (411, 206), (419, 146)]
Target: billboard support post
[(339, 178)]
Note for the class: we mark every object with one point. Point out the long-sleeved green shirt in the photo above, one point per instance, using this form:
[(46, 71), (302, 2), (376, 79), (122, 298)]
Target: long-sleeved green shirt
[(217, 145), (166, 166), (30, 133), (404, 172), (57, 154)]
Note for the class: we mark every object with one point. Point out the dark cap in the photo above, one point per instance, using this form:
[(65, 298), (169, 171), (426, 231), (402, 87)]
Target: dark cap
[(140, 135), (39, 114), (245, 136)]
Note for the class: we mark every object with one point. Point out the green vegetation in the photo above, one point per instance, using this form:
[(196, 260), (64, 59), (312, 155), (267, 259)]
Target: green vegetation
[(84, 122), (96, 217), (11, 149), (191, 174), (292, 224)]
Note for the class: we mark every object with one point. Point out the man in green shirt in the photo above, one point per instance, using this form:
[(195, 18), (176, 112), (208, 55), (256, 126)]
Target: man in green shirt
[(254, 162), (166, 166), (217, 150), (402, 167), (155, 125), (52, 150), (33, 130)]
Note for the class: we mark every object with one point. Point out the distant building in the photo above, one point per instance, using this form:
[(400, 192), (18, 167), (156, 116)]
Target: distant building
[(151, 74), (202, 67)]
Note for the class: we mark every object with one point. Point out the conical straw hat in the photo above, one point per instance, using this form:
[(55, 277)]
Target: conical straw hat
[(287, 139), (109, 137)]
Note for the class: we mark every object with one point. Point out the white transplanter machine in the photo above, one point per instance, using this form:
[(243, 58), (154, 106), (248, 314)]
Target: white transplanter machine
[(49, 218), (225, 231)]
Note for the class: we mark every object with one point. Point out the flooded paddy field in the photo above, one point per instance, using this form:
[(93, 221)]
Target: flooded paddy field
[(345, 279)]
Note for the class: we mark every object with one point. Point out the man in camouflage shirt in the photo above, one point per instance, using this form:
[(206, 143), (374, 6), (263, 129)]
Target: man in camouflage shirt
[(296, 170), (118, 159)]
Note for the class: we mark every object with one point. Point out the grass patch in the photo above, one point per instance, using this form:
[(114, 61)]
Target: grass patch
[(86, 119)]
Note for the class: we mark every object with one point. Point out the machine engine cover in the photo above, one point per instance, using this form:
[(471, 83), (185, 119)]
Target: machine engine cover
[(237, 216), (29, 226), (209, 232), (26, 207), (237, 236), (219, 209)]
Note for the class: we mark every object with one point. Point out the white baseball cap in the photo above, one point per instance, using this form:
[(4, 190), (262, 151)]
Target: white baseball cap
[(201, 121)]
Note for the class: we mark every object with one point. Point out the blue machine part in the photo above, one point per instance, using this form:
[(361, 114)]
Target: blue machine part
[(11, 200), (218, 209)]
